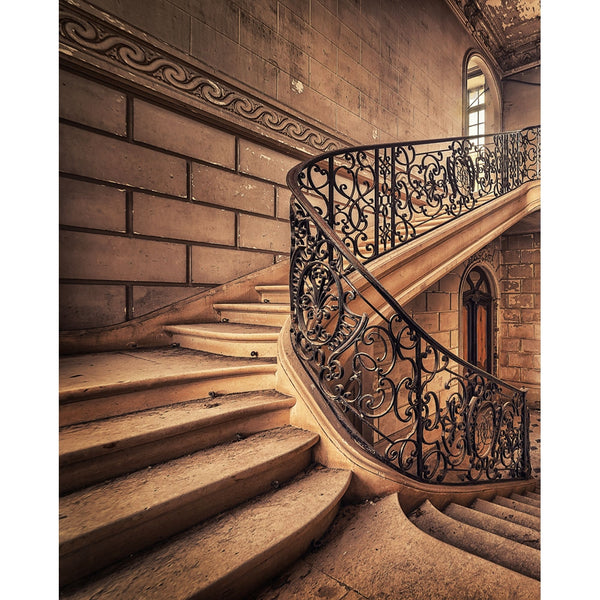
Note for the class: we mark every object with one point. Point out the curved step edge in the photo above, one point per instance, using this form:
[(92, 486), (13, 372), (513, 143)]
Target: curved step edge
[(227, 339), (96, 530), (507, 553), (508, 514), (232, 554), (496, 525), (103, 449), (517, 506)]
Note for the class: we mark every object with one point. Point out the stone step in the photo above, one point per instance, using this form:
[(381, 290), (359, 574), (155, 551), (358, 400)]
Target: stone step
[(512, 531), (227, 339), (508, 514), (500, 550), (107, 384), (534, 496), (276, 294), (515, 505), (105, 523), (375, 550), (253, 313), (93, 452), (233, 553), (536, 502)]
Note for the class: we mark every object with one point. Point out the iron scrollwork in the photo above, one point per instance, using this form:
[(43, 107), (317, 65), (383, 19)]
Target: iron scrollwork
[(402, 396)]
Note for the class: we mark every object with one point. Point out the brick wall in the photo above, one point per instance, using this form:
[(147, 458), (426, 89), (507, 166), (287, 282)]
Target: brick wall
[(520, 312), (515, 261), (381, 71), (156, 206)]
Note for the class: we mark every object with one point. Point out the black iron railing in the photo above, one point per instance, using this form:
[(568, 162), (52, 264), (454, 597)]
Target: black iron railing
[(402, 396)]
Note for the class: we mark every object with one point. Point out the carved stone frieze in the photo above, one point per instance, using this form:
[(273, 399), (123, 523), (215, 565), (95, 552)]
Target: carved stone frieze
[(89, 37)]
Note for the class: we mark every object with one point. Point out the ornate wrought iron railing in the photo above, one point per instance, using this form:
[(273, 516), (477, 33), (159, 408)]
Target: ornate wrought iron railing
[(403, 397)]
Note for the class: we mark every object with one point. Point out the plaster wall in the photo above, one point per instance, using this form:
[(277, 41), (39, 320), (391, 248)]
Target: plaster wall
[(521, 93)]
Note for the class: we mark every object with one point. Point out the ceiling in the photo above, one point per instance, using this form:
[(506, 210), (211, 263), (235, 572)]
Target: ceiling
[(508, 29)]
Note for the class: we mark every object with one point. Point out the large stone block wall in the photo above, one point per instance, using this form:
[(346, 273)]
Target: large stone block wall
[(156, 206), (179, 121)]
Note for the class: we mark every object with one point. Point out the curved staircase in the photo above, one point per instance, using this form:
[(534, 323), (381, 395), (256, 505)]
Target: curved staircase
[(196, 470), (176, 460)]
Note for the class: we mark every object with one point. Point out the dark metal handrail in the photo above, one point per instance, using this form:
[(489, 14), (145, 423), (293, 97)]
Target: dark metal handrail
[(403, 396)]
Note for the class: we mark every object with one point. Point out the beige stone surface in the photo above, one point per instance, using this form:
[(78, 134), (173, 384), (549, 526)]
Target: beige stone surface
[(232, 190), (92, 104), (100, 157), (175, 219), (233, 554), (165, 129), (90, 205), (90, 305), (220, 265), (263, 234), (374, 551), (106, 257), (263, 162), (88, 372)]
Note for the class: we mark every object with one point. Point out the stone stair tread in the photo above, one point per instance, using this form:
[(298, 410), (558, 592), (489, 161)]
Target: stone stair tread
[(106, 508), (227, 331), (84, 441), (507, 529), (239, 547), (516, 505), (524, 499), (509, 514), (100, 373), (267, 307), (500, 550)]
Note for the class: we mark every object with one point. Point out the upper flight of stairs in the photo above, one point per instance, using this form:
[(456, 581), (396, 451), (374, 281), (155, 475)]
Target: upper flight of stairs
[(505, 531), (180, 476)]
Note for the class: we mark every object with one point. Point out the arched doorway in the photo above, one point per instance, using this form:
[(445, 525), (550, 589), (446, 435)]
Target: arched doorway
[(477, 318)]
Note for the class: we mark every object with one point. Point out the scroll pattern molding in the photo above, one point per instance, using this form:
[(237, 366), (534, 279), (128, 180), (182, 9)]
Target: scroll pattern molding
[(91, 35)]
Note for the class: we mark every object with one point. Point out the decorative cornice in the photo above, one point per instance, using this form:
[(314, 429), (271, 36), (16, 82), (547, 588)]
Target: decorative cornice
[(106, 42)]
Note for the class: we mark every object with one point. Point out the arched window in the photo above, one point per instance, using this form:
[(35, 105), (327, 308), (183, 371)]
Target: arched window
[(477, 91), (482, 98), (477, 321)]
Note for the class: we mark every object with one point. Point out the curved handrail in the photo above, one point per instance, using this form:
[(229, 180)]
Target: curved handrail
[(401, 394)]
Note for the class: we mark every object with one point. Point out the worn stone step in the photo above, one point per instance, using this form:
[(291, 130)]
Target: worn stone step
[(227, 339), (508, 514), (526, 500), (534, 496), (512, 531), (253, 313), (102, 524), (500, 550), (93, 452), (277, 294), (515, 505), (231, 554), (106, 384), (375, 550)]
